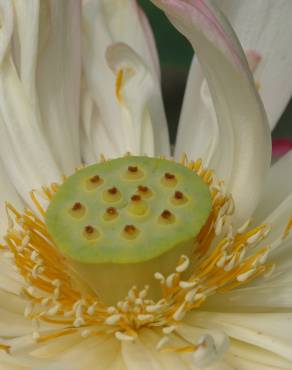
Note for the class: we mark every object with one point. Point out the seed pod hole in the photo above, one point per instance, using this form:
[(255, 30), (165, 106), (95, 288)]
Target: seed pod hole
[(179, 198), (77, 210), (110, 214), (90, 233), (112, 195), (137, 206), (144, 191), (166, 217), (93, 182), (133, 173), (169, 180), (130, 232)]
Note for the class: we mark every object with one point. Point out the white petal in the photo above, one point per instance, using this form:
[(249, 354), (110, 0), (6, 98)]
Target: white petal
[(137, 356), (121, 19), (270, 331), (12, 303), (104, 24), (24, 150), (118, 364), (58, 79), (7, 194), (25, 44), (246, 357), (6, 27), (198, 131), (278, 186), (219, 339), (10, 280), (8, 362), (265, 26), (87, 354), (243, 157), (142, 114), (52, 349), (12, 324), (169, 361)]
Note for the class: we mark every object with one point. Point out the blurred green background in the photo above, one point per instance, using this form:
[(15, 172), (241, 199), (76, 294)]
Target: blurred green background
[(175, 56)]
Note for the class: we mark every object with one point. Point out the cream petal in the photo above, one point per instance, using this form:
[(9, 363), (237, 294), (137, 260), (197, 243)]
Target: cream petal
[(25, 154), (245, 364), (278, 186), (7, 362), (18, 362), (137, 356), (246, 356), (142, 114), (9, 281), (118, 364), (265, 26), (198, 139), (25, 45), (98, 36), (52, 349), (169, 361), (92, 128), (12, 302), (7, 194), (6, 27), (269, 331), (87, 354), (150, 41), (243, 126), (121, 19), (13, 324), (58, 79)]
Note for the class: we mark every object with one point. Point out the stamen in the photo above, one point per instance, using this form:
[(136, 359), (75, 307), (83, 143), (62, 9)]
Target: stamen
[(53, 298)]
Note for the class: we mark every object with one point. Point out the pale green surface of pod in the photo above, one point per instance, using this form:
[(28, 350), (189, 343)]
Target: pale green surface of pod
[(126, 219), (94, 210)]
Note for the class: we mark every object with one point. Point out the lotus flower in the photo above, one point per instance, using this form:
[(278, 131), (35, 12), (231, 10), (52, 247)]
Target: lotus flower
[(76, 90)]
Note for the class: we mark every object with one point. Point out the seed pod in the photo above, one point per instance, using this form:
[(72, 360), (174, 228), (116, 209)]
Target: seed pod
[(128, 211)]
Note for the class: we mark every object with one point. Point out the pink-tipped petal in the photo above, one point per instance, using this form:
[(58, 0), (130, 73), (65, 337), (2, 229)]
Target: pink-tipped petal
[(281, 147), (265, 26), (241, 154)]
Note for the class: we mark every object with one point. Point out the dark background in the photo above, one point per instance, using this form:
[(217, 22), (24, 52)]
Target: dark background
[(175, 56)]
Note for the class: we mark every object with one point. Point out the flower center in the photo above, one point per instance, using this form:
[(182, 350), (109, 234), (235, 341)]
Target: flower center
[(120, 221), (56, 283)]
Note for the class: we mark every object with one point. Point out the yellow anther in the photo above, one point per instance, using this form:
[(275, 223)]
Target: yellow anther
[(119, 84)]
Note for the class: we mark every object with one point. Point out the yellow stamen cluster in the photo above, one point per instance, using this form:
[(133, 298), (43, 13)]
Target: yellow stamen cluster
[(54, 293)]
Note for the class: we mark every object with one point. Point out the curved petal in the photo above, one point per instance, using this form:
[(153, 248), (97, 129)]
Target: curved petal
[(7, 194), (281, 147), (142, 114), (39, 108), (137, 356), (265, 26), (6, 27), (265, 330), (104, 24), (199, 139), (243, 157), (169, 361), (88, 354), (246, 357), (24, 151), (277, 188), (58, 79)]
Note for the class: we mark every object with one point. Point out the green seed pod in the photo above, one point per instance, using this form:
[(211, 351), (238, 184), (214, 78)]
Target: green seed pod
[(128, 214)]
